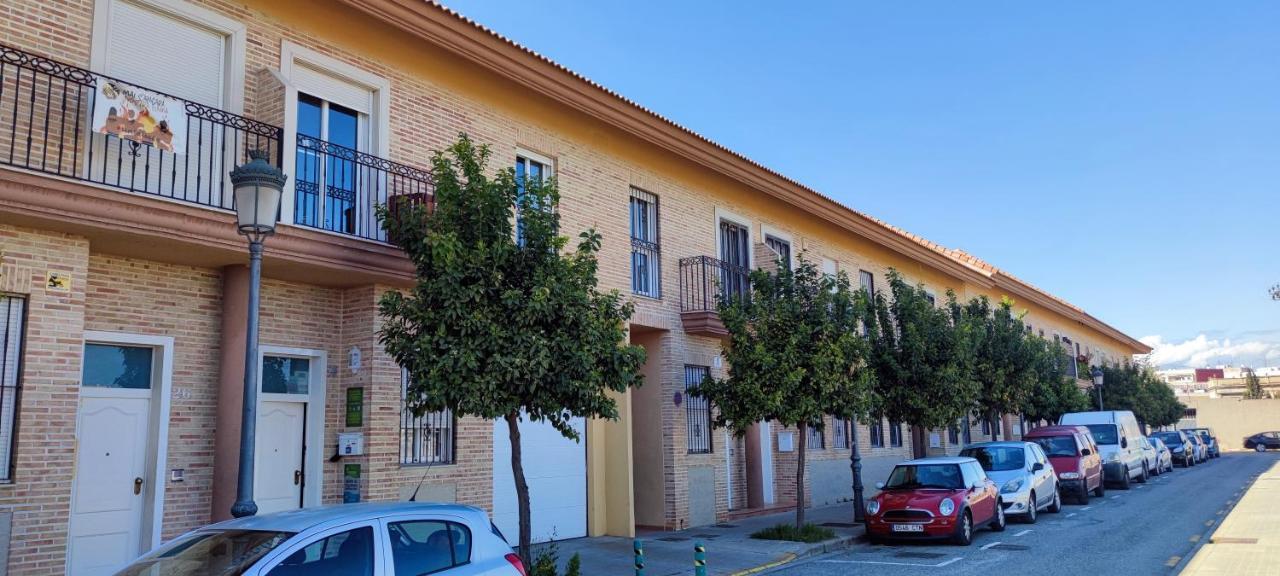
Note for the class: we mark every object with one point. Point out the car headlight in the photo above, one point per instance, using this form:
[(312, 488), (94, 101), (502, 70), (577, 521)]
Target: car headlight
[(1012, 486), (1069, 476), (873, 507), (946, 507), (1178, 449)]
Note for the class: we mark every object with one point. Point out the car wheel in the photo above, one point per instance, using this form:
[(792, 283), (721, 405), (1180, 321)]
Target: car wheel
[(1030, 517), (874, 540), (1125, 480), (1056, 506), (1083, 496), (964, 530), (1142, 478), (1101, 490), (1260, 447), (998, 524)]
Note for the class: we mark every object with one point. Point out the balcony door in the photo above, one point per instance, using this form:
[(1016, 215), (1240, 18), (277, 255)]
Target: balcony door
[(328, 173), (735, 252)]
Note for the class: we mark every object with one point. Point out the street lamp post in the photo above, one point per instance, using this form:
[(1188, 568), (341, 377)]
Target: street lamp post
[(258, 186), (1097, 384), (859, 506)]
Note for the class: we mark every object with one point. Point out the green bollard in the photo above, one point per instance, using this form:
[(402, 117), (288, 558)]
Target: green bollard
[(699, 559), (638, 547)]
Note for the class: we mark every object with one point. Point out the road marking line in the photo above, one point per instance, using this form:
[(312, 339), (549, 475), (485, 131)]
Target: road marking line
[(1086, 508), (1208, 522), (1022, 533), (1173, 561), (951, 561), (988, 546), (1194, 538), (1115, 497), (1221, 512), (1071, 514), (884, 563)]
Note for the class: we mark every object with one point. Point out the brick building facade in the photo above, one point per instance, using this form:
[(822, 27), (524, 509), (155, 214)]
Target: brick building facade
[(112, 259)]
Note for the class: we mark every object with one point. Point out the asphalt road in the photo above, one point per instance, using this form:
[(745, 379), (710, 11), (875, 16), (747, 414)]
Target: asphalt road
[(1149, 529)]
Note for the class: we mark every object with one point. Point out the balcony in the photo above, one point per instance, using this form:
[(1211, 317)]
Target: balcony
[(704, 282), (47, 115), (49, 111)]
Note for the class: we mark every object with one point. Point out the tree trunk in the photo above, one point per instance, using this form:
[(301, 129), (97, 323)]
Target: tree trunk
[(522, 487), (992, 427), (804, 437)]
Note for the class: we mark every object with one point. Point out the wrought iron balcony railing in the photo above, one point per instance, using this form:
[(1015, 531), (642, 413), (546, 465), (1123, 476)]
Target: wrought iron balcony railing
[(704, 281), (48, 111)]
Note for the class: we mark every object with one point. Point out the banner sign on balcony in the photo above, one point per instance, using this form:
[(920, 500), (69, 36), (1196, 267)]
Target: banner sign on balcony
[(141, 116)]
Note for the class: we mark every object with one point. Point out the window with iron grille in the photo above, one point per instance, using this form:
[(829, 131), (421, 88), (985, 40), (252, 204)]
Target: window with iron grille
[(12, 318), (533, 169), (839, 433), (427, 439), (895, 434), (646, 269), (817, 440), (968, 433), (780, 247), (953, 434), (875, 432), (697, 411)]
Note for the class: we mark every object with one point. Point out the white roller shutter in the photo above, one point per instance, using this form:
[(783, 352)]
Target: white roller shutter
[(162, 52), (555, 468), (333, 88)]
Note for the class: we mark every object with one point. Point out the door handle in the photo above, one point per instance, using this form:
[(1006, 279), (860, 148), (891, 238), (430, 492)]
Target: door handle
[(137, 486), (297, 477)]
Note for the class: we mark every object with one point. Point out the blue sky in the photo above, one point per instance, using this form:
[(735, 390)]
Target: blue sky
[(1125, 156)]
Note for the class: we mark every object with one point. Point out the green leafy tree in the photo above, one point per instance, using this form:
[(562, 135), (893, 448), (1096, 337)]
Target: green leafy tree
[(921, 356), (1053, 393), (498, 327), (1003, 361), (1132, 386), (794, 355), (1252, 386)]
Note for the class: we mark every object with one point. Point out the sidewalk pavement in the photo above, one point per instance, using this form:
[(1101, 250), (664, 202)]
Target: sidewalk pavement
[(730, 549), (1248, 541)]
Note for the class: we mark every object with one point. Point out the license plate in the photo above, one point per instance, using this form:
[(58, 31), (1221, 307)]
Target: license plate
[(908, 528)]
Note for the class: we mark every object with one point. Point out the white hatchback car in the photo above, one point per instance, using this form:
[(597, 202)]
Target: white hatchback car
[(374, 539)]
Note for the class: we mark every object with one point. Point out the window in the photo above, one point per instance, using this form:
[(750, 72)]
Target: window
[(875, 432), (968, 432), (840, 433), (697, 411), (933, 300), (646, 269), (735, 247), (529, 168), (953, 434), (116, 366), (986, 426), (868, 282), (426, 439), (817, 440), (325, 193), (428, 546), (780, 247), (349, 552), (283, 375), (895, 434), (11, 323)]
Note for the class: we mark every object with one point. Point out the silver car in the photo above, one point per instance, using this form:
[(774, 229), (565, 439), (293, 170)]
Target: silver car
[(1164, 456), (373, 539), (1023, 473)]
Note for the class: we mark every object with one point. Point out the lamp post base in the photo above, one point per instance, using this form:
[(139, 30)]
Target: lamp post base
[(242, 509)]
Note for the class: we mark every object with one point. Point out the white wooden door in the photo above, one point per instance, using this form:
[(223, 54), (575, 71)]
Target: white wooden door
[(277, 469), (555, 468), (109, 493)]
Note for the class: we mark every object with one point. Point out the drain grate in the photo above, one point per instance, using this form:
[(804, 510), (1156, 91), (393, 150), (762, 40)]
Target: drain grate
[(674, 539), (1009, 547), (840, 525), (724, 525), (920, 555), (1230, 540)]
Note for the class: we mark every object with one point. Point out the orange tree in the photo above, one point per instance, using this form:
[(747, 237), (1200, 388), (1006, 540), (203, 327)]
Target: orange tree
[(503, 324)]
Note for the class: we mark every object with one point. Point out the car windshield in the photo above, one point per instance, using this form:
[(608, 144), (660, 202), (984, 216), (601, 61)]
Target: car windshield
[(1169, 438), (214, 553), (1057, 445), (906, 477), (1104, 433), (1203, 435), (997, 458)]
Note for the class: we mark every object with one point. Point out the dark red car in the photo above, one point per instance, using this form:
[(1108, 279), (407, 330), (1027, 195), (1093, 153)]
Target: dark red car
[(1075, 459), (935, 498)]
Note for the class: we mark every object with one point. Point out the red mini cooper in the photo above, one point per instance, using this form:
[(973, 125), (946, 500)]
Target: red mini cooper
[(935, 498)]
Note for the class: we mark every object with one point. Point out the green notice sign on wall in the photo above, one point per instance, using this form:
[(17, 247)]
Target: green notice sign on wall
[(355, 407)]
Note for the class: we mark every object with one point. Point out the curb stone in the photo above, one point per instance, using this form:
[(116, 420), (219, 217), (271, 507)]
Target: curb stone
[(814, 549)]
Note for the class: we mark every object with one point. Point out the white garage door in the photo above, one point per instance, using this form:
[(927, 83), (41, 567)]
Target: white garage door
[(556, 470)]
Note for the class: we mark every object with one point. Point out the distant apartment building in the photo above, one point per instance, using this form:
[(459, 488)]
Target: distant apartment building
[(123, 285)]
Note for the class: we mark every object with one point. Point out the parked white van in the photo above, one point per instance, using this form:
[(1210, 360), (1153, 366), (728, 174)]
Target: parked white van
[(1119, 439)]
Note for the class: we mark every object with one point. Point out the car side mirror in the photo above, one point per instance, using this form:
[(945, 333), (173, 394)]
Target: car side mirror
[(1037, 467), (1085, 451), (879, 485), (1124, 442)]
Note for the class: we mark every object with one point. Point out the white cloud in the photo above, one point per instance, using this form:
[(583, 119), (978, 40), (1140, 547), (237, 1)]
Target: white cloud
[(1202, 351)]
